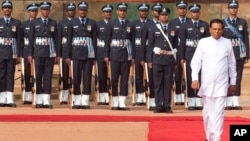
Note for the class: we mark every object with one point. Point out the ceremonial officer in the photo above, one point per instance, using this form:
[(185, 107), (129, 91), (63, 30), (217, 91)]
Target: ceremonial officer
[(25, 28), (103, 32), (161, 58), (44, 39), (63, 29), (177, 24), (150, 24), (139, 53), (82, 35), (9, 47), (193, 30), (236, 29), (121, 56)]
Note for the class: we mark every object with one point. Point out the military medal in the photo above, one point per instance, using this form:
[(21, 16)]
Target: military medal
[(89, 27), (202, 29), (172, 33), (52, 28), (240, 27), (128, 29), (14, 28)]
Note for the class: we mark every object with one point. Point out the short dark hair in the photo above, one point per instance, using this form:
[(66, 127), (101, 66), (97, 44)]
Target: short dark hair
[(216, 21)]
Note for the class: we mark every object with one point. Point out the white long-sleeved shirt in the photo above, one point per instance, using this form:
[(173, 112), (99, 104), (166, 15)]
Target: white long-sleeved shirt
[(216, 60)]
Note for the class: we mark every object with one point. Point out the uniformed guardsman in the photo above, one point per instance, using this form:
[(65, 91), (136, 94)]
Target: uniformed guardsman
[(25, 28), (236, 29), (63, 30), (161, 58), (193, 30), (82, 35), (121, 56), (10, 52), (103, 32), (139, 53), (44, 41), (177, 23), (150, 24)]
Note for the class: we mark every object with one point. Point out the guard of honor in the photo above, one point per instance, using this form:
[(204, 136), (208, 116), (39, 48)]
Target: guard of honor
[(10, 44), (191, 32), (236, 29), (177, 23), (139, 60), (63, 31), (26, 61), (43, 49), (103, 32), (81, 50), (121, 56), (160, 47), (145, 32), (161, 58)]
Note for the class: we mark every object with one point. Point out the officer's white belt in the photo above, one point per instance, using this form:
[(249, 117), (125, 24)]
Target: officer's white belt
[(6, 41), (119, 43), (159, 51)]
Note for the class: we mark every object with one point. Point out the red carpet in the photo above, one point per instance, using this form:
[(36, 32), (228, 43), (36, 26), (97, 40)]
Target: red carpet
[(173, 128)]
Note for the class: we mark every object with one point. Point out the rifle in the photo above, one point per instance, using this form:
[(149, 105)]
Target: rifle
[(33, 80), (96, 83), (71, 83), (133, 84), (146, 85), (60, 81), (109, 84), (185, 74), (22, 79)]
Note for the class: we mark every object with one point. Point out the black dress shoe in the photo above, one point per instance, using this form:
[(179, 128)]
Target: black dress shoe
[(38, 106), (140, 104), (86, 107), (64, 102), (177, 103), (124, 108), (237, 108), (47, 106), (228, 108), (182, 103), (27, 102), (168, 110), (76, 107), (114, 108), (199, 108), (159, 110), (2, 105), (13, 105), (191, 108), (102, 103), (151, 108)]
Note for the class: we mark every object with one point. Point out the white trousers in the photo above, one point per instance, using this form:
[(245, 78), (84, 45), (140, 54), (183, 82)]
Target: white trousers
[(213, 117)]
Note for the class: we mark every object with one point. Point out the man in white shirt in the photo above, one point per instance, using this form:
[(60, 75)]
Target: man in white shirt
[(215, 58)]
